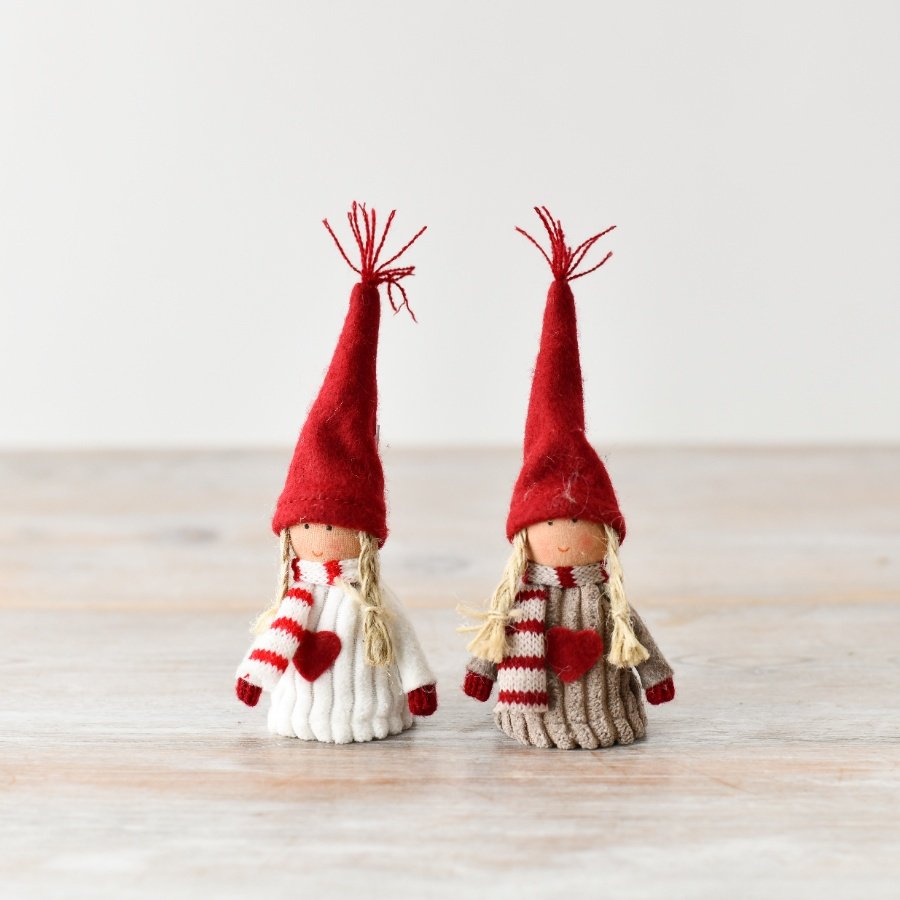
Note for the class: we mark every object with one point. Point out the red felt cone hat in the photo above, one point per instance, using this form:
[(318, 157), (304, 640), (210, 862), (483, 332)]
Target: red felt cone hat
[(336, 477), (562, 477)]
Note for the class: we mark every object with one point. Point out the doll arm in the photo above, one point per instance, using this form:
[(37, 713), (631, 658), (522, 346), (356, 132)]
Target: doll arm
[(655, 672), (273, 650), (480, 677), (415, 673)]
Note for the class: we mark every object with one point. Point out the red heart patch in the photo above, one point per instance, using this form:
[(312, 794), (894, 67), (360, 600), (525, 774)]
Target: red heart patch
[(571, 653), (317, 652)]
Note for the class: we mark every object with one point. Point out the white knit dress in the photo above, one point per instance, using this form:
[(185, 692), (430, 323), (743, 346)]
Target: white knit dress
[(351, 701)]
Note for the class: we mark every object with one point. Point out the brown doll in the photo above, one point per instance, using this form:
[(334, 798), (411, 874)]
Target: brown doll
[(568, 652)]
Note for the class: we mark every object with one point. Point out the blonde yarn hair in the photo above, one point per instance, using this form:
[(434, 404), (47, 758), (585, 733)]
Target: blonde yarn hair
[(376, 635), (626, 649), (264, 619), (490, 639)]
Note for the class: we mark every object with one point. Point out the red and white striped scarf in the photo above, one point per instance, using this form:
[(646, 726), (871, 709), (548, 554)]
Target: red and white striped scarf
[(309, 572), (274, 648), (522, 676)]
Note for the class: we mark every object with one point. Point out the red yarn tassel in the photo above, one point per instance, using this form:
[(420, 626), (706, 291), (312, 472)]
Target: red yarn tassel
[(564, 261), (370, 271)]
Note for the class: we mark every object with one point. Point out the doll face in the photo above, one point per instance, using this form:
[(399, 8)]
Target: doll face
[(322, 543), (566, 542)]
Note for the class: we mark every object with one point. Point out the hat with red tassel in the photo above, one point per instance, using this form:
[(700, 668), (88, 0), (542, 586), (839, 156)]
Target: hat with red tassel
[(335, 475), (562, 477)]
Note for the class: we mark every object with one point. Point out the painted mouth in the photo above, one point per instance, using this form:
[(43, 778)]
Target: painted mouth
[(318, 553), (563, 549)]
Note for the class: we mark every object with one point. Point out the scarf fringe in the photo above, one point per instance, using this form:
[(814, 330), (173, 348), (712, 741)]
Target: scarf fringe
[(490, 641)]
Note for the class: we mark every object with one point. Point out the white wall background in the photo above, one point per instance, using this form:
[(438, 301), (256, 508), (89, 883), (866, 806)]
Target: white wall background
[(164, 167)]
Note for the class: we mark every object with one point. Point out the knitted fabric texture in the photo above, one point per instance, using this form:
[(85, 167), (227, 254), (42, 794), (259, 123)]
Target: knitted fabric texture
[(661, 693), (329, 572), (522, 675), (478, 686), (423, 700), (276, 647), (348, 700), (601, 707), (335, 476), (565, 576), (273, 650), (562, 476)]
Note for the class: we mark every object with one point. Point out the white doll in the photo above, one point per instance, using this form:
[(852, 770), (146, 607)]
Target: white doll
[(336, 651)]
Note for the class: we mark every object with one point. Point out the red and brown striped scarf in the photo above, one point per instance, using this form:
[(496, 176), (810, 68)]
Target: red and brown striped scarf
[(522, 676)]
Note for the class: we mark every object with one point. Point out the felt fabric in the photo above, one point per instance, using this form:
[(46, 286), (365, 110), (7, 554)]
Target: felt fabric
[(316, 654), (571, 653), (346, 700), (335, 476), (602, 707), (562, 476)]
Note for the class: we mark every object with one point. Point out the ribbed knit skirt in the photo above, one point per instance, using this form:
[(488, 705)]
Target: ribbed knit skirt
[(602, 708), (350, 702)]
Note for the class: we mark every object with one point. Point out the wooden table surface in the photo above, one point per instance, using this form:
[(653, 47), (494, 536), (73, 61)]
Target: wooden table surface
[(771, 579)]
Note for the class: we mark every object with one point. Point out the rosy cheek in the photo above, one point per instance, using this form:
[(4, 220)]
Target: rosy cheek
[(590, 548)]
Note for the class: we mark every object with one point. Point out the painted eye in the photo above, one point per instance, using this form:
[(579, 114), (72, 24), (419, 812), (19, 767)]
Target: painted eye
[(306, 525), (574, 521), (550, 522), (328, 528)]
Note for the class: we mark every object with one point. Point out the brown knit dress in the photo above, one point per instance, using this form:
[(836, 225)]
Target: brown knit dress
[(605, 706)]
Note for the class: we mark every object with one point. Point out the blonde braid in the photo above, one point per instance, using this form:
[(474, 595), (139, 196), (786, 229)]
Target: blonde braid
[(626, 649), (490, 641), (263, 620), (379, 649)]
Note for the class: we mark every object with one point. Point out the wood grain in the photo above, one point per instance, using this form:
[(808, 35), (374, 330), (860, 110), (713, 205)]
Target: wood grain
[(771, 579)]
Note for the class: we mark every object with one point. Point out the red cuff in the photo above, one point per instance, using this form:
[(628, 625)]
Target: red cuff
[(478, 686), (246, 692), (661, 693), (423, 700)]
